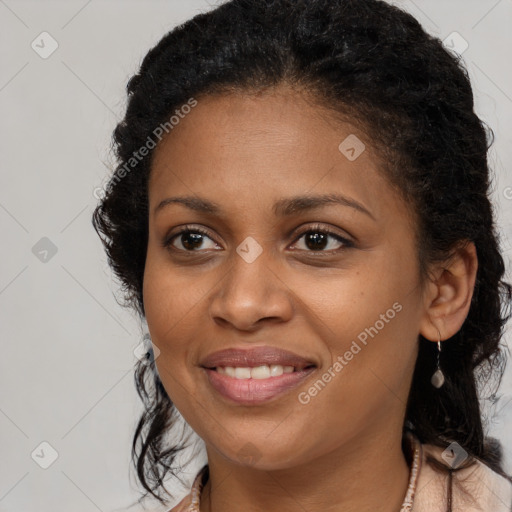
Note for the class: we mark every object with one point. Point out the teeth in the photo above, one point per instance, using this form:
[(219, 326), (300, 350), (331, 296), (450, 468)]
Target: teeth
[(242, 373), (258, 372)]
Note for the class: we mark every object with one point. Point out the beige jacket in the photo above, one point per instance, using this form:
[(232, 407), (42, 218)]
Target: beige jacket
[(490, 491)]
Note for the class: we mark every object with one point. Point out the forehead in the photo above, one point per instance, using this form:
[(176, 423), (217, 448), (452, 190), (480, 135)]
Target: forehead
[(243, 147)]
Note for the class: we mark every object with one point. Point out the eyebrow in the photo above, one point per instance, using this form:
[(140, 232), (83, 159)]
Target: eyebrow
[(283, 207)]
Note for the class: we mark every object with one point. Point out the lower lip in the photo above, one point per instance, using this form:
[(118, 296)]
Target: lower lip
[(255, 391)]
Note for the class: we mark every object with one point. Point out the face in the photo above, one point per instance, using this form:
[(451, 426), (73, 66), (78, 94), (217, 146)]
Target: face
[(336, 283)]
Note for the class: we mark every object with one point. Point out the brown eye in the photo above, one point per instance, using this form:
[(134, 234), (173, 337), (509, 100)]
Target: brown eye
[(321, 239), (191, 239)]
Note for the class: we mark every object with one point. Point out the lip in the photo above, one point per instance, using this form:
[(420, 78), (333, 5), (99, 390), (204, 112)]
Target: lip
[(255, 356), (255, 391)]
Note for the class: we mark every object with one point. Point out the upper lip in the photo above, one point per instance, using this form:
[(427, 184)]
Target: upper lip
[(255, 356)]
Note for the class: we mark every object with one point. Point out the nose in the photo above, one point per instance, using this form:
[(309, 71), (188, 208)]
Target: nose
[(251, 294)]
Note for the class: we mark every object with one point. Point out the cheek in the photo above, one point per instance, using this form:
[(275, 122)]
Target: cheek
[(368, 320), (169, 305), (372, 366), (340, 305), (366, 383), (171, 300)]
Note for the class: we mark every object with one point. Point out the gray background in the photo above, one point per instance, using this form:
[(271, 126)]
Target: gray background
[(67, 346)]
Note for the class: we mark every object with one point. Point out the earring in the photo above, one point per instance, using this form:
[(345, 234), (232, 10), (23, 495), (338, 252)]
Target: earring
[(437, 379)]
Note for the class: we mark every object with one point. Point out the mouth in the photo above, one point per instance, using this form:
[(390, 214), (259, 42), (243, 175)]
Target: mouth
[(260, 372), (256, 357), (257, 375), (258, 385)]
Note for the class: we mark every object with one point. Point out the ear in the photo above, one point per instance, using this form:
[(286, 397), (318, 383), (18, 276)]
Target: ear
[(448, 294)]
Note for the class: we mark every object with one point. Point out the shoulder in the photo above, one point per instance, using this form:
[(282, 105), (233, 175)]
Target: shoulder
[(475, 486), (190, 503)]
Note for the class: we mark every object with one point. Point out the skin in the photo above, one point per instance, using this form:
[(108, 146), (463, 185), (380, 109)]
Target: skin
[(244, 152)]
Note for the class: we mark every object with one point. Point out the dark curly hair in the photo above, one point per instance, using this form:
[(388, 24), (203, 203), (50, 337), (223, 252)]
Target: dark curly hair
[(373, 64)]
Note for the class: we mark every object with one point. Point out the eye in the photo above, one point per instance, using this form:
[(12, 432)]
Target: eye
[(316, 239), (190, 238)]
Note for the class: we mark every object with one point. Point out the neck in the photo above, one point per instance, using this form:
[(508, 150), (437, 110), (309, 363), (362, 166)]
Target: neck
[(362, 475)]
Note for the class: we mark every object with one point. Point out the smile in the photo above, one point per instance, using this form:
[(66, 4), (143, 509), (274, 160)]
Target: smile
[(255, 385)]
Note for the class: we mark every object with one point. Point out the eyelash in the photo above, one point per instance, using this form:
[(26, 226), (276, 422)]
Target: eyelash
[(167, 243)]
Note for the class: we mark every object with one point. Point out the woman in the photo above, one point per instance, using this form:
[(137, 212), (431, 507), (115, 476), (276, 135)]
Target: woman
[(301, 214)]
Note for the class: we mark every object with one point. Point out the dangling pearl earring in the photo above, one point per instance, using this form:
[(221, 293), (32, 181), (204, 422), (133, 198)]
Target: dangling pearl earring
[(437, 379)]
